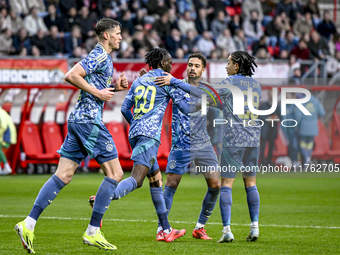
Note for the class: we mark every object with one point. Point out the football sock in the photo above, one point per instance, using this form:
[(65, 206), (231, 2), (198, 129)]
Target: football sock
[(253, 200), (3, 157), (168, 195), (91, 230), (159, 203), (125, 187), (46, 195), (30, 223), (226, 229), (103, 200), (159, 229), (199, 225), (254, 224), (225, 205), (208, 204)]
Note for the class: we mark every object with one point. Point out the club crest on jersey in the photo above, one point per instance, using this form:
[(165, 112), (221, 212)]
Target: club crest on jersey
[(91, 64), (172, 164), (153, 160), (109, 147)]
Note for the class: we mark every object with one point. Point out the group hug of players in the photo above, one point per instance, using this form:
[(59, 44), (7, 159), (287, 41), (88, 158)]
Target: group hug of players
[(149, 96)]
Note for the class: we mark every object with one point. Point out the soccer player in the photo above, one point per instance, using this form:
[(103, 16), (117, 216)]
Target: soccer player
[(191, 143), (149, 102), (87, 135)]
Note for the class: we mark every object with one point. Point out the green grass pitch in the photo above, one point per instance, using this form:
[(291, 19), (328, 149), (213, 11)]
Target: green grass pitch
[(297, 216)]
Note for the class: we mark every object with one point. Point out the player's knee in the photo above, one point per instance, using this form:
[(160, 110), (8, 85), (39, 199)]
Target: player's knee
[(173, 183), (215, 185), (66, 178)]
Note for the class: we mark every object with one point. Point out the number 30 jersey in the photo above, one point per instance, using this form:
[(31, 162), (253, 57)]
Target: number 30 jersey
[(150, 102), (237, 132)]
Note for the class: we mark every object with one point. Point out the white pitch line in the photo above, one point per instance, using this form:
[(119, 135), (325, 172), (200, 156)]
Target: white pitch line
[(177, 222)]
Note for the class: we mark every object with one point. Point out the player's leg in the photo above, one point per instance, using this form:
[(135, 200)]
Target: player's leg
[(47, 194), (207, 157), (253, 198), (231, 161), (7, 168)]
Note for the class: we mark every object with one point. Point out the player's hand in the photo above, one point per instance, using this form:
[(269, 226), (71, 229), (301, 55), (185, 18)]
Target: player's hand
[(122, 82), (142, 72), (163, 80), (105, 94)]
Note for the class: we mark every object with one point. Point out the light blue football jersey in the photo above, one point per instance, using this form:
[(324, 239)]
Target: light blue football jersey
[(99, 70), (150, 102), (237, 134)]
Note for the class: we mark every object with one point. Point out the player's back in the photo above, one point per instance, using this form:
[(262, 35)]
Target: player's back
[(237, 133), (150, 102)]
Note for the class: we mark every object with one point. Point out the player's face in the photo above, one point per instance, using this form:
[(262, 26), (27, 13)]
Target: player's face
[(195, 68), (167, 64), (114, 37), (231, 67)]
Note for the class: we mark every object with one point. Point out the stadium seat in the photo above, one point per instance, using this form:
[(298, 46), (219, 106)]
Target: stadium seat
[(32, 146), (52, 137), (119, 137)]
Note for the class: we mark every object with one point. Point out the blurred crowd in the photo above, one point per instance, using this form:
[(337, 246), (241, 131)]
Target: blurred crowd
[(264, 28)]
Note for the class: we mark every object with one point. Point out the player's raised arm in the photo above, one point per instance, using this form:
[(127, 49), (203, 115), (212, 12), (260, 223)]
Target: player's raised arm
[(76, 78)]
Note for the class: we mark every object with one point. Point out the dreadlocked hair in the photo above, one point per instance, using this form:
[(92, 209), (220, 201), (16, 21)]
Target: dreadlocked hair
[(154, 57), (245, 61)]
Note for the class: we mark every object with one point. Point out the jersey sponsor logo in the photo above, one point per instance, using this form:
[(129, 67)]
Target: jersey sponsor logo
[(91, 64), (109, 147), (172, 164)]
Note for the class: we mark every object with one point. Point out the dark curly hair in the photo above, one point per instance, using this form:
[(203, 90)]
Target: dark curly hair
[(155, 56), (245, 61)]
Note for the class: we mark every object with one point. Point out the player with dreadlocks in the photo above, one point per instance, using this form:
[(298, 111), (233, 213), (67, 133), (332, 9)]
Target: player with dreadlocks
[(241, 141), (149, 102)]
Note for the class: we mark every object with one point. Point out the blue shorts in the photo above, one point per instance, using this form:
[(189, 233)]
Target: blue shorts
[(88, 139), (7, 136), (244, 159), (144, 152), (179, 160)]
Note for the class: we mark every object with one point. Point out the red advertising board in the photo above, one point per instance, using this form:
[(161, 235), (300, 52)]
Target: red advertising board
[(32, 71)]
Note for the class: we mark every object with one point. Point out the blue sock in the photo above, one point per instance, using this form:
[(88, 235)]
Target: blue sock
[(168, 195), (253, 200), (103, 200), (46, 195), (208, 205), (125, 187), (225, 205), (159, 203)]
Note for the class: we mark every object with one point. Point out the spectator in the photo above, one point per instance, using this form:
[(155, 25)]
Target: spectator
[(33, 22), (268, 6), (261, 44), (213, 55), (53, 42), (235, 24), (205, 44), (91, 42), (4, 23), (14, 21), (186, 23), (313, 8), (38, 40), (158, 7), (102, 6), (138, 40), (284, 54), (285, 23), (202, 22), (252, 5), (240, 40), (173, 42), (296, 10), (225, 42), (284, 6), (186, 5), (139, 18), (126, 21), (85, 23), (6, 42), (306, 37), (66, 5), (162, 26), (301, 51), (296, 78), (73, 40), (179, 54), (22, 41), (39, 4), (19, 6), (153, 40), (189, 43), (326, 28), (70, 20), (35, 51), (141, 53), (318, 47), (303, 25), (252, 28), (53, 18), (219, 23), (289, 42), (274, 31), (173, 20), (214, 6), (23, 52), (308, 127)]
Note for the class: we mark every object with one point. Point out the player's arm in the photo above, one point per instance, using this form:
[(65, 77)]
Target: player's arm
[(121, 83), (127, 105), (76, 78)]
